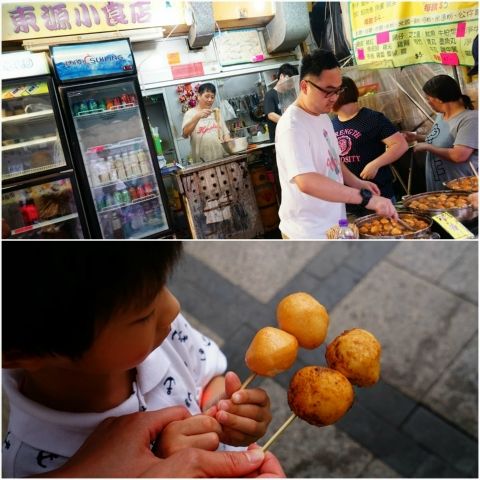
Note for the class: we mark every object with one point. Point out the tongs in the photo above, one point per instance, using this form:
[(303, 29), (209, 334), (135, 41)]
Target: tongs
[(405, 224)]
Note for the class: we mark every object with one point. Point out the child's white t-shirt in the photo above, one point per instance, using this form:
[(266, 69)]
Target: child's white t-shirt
[(40, 439), (306, 143)]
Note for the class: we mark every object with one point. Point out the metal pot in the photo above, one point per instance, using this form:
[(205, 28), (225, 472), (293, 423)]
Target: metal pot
[(462, 214), (423, 233), (235, 145), (451, 182)]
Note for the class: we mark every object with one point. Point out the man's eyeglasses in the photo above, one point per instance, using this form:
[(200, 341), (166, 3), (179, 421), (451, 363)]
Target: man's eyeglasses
[(328, 93)]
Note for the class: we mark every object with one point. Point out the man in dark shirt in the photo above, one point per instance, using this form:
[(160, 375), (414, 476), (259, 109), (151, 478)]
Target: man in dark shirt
[(270, 104)]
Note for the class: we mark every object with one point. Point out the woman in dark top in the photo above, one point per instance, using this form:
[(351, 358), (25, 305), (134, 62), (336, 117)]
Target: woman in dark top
[(368, 141)]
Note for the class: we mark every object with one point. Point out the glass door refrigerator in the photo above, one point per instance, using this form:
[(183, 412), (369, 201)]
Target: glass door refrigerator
[(40, 197), (111, 142)]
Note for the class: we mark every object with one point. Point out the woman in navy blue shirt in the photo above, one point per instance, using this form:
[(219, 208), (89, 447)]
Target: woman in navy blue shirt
[(368, 141)]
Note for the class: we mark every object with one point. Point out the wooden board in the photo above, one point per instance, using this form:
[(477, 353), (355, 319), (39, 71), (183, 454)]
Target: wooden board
[(220, 201)]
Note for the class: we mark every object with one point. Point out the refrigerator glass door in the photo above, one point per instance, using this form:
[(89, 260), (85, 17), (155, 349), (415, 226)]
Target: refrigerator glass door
[(46, 210), (30, 139), (117, 160)]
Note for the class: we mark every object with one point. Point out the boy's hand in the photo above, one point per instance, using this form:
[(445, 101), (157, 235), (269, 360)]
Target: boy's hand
[(244, 414), (197, 431)]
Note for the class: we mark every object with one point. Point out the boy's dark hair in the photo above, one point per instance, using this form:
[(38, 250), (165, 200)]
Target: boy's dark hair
[(446, 89), (58, 295), (316, 62), (207, 87), (349, 95), (288, 70)]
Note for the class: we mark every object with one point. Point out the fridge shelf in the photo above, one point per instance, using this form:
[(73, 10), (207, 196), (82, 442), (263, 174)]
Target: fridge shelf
[(30, 143), (133, 202), (110, 111), (36, 226), (128, 179), (27, 116), (43, 168), (113, 146)]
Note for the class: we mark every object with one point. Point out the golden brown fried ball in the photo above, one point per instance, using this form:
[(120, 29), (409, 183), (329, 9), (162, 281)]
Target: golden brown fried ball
[(356, 353), (319, 395), (272, 351), (305, 318)]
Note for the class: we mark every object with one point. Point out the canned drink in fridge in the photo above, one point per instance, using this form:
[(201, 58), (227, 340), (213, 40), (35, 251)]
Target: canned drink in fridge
[(125, 99), (118, 197), (83, 107), (140, 191), (148, 188), (109, 104), (92, 105), (117, 102), (75, 109), (125, 196)]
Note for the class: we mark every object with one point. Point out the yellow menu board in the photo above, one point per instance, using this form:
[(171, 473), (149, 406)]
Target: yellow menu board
[(452, 226), (396, 34)]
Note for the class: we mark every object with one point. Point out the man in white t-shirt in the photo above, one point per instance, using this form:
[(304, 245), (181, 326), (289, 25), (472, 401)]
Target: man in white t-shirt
[(315, 183)]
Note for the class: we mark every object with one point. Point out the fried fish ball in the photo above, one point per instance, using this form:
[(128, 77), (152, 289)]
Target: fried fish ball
[(356, 354), (305, 318), (319, 395), (272, 351), (364, 229)]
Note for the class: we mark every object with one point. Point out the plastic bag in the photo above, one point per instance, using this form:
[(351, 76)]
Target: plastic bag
[(228, 113)]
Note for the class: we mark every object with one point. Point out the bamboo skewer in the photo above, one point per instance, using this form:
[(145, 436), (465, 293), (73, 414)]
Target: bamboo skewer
[(274, 437), (247, 382), (473, 168), (216, 113)]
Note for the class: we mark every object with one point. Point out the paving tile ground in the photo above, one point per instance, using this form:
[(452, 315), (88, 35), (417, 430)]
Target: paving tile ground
[(419, 298)]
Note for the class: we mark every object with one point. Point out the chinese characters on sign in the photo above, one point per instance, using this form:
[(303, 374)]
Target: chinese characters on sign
[(44, 19), (396, 34)]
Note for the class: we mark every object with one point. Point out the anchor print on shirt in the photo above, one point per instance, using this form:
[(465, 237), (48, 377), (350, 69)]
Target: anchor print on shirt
[(206, 341), (188, 400), (43, 455), (181, 337), (169, 383), (203, 355)]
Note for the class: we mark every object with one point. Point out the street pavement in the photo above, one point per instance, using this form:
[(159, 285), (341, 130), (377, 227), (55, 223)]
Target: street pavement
[(420, 299)]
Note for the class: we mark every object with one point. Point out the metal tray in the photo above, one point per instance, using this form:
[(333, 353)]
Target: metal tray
[(448, 185), (423, 233), (462, 214)]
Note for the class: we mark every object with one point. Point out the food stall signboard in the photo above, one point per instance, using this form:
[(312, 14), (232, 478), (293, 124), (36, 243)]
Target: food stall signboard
[(396, 34), (452, 226), (26, 20)]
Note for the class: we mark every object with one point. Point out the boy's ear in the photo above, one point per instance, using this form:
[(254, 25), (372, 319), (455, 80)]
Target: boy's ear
[(18, 360)]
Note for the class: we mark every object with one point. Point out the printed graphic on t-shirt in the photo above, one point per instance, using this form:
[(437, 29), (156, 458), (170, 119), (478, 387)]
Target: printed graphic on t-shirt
[(206, 129), (344, 138), (438, 170), (435, 132), (333, 162)]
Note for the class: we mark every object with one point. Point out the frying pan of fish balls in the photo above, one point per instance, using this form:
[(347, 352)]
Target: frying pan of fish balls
[(432, 203), (375, 226), (463, 184)]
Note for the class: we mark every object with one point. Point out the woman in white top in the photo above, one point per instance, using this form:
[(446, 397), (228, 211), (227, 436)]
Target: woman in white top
[(206, 130)]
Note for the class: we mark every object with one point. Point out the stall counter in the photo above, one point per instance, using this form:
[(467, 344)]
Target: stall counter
[(219, 199)]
